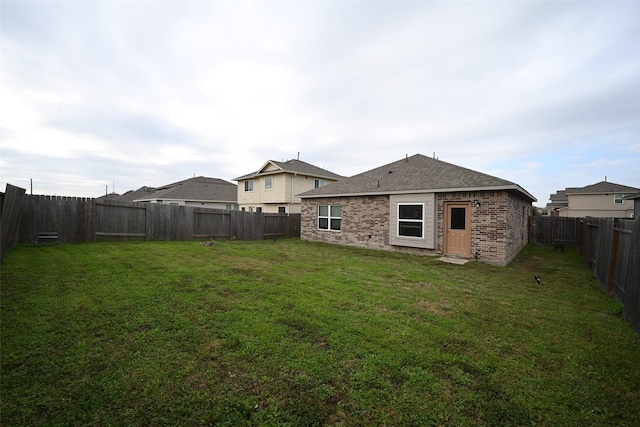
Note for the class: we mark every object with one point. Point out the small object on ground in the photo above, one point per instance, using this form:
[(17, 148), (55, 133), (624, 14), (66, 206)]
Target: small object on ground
[(538, 279), (209, 243), (450, 260), (558, 246), (48, 238)]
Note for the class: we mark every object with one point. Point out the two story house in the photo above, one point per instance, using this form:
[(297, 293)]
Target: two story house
[(602, 199), (273, 188)]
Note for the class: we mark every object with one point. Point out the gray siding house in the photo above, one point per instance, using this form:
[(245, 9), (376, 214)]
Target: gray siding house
[(603, 199), (422, 205), (199, 191), (635, 199)]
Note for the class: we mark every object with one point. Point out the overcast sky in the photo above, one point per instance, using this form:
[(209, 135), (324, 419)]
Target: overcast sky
[(124, 94)]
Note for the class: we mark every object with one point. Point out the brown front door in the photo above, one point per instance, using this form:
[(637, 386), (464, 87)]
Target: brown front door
[(458, 229)]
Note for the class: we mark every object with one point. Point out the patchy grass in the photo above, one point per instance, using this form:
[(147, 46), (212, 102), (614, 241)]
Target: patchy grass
[(299, 333)]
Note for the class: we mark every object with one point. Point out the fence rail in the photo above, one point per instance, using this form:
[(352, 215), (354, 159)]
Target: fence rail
[(610, 246), (78, 220)]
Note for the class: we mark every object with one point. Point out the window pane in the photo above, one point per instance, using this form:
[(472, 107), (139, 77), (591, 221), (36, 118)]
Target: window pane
[(336, 211), (323, 223), (411, 229), (268, 183), (323, 210), (458, 221), (410, 211), (335, 224)]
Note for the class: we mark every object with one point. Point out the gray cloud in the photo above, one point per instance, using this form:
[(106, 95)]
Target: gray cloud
[(150, 93), (122, 128)]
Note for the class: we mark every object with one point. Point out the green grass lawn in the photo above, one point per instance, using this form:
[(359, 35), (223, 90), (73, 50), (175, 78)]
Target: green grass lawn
[(299, 333)]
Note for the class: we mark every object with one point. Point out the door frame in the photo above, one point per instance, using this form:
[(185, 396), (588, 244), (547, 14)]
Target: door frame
[(445, 225)]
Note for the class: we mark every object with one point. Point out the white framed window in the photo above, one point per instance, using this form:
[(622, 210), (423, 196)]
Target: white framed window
[(282, 209), (330, 217), (411, 220), (259, 209), (618, 199), (268, 183), (318, 183), (248, 185)]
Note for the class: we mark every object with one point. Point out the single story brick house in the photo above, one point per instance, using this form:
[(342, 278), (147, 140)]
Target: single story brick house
[(422, 205)]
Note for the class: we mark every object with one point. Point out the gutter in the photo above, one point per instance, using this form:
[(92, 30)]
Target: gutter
[(435, 190)]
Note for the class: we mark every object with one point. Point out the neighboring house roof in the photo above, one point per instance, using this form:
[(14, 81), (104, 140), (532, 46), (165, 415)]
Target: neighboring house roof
[(140, 193), (560, 196), (602, 187), (110, 196), (195, 189), (633, 197), (559, 200), (417, 173), (293, 166)]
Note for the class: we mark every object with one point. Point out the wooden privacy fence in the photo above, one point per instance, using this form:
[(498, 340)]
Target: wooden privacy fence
[(10, 203), (548, 230), (78, 220), (610, 246)]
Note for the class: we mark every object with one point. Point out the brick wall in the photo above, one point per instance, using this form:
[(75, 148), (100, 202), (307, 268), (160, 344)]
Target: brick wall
[(518, 220), (365, 221), (498, 226)]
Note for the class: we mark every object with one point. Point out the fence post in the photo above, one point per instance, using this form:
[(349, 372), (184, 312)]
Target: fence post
[(10, 216), (613, 261)]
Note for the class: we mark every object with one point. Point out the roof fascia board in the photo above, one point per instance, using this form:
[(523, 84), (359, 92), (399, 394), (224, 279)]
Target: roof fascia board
[(437, 190), (269, 162), (599, 193), (285, 171)]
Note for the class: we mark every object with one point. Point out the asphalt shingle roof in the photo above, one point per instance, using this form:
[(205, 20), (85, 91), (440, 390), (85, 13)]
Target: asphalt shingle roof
[(196, 189), (602, 187), (417, 173), (294, 166), (140, 193)]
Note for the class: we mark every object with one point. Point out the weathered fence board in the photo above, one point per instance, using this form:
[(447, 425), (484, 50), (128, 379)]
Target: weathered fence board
[(10, 213), (602, 249), (84, 220), (547, 230), (119, 221), (631, 283), (211, 224)]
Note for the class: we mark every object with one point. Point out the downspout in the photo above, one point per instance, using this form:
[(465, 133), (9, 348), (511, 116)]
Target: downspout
[(291, 201)]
